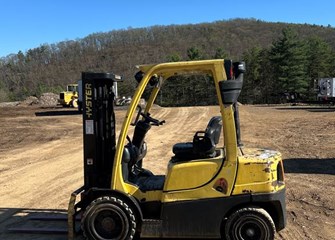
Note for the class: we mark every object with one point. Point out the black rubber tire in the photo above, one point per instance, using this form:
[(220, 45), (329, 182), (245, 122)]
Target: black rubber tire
[(250, 223), (108, 218)]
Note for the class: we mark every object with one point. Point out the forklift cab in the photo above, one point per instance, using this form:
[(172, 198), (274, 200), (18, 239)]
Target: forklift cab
[(201, 155)]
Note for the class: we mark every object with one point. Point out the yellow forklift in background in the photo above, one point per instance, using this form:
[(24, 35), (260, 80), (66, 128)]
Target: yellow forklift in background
[(209, 191), (69, 98)]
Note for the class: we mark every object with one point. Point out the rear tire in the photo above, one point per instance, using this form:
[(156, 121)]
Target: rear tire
[(250, 224), (108, 218)]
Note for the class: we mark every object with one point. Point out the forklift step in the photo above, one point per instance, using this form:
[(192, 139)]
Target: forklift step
[(151, 228)]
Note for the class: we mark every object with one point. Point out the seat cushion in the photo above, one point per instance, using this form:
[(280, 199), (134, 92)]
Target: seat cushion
[(151, 183), (184, 151)]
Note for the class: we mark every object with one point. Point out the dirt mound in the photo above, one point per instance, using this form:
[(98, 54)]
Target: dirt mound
[(31, 100), (9, 104)]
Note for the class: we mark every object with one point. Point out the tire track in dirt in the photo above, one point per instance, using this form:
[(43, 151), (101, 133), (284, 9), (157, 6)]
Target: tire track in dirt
[(52, 167), (52, 172), (159, 148)]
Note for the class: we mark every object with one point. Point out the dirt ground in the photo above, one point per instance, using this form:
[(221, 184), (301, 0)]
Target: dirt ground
[(41, 160)]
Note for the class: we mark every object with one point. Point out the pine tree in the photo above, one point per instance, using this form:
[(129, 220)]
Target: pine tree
[(175, 57), (220, 54), (251, 87), (288, 56), (193, 53)]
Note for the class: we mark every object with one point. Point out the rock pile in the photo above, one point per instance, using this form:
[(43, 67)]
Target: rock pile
[(49, 100), (46, 100)]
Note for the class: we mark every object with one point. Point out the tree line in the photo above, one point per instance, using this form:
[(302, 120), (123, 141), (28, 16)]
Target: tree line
[(281, 58), (289, 68)]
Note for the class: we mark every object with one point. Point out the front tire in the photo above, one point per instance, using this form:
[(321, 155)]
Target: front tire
[(108, 218), (74, 103), (250, 224)]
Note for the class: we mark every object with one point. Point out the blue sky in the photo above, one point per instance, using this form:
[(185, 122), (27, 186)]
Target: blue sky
[(26, 24)]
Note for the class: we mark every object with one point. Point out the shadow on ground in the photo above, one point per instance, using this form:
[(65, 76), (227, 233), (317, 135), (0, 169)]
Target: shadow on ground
[(309, 108), (57, 113), (310, 165)]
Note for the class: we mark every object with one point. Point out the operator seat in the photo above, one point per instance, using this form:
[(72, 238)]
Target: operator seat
[(203, 145)]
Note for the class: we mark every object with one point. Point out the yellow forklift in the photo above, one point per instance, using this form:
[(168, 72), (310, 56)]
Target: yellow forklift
[(69, 98), (209, 191)]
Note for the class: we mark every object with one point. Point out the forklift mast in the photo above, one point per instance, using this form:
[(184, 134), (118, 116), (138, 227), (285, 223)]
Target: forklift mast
[(98, 128)]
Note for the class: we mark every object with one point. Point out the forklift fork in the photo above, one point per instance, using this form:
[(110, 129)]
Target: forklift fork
[(73, 213)]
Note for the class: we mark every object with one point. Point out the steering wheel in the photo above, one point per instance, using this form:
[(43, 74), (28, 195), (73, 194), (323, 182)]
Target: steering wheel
[(150, 120)]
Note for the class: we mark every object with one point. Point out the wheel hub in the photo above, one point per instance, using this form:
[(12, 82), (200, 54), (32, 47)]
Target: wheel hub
[(108, 224), (250, 232)]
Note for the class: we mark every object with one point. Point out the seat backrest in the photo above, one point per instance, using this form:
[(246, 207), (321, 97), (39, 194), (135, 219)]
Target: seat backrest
[(132, 156), (204, 142), (213, 130)]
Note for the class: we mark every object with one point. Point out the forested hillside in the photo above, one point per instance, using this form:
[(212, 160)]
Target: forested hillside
[(280, 58)]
